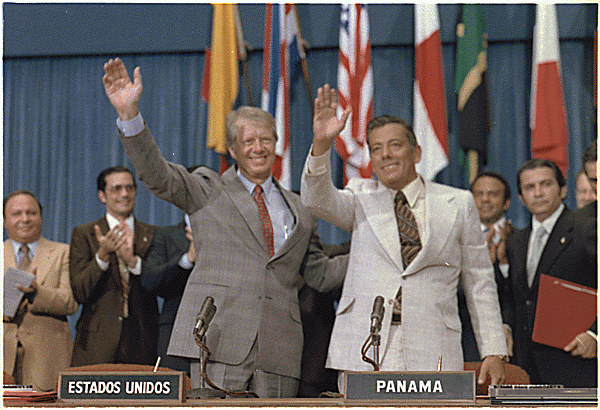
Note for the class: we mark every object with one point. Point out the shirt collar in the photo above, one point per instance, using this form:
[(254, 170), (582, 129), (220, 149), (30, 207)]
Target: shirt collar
[(267, 186), (112, 221), (32, 247), (497, 225), (412, 191), (549, 222)]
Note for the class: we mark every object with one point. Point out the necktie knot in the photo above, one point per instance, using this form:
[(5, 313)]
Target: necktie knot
[(258, 190), (400, 199)]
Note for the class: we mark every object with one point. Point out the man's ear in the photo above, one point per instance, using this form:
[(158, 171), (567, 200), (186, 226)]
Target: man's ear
[(102, 196), (506, 205)]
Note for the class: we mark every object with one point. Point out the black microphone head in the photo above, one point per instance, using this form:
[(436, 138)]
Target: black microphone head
[(378, 308)]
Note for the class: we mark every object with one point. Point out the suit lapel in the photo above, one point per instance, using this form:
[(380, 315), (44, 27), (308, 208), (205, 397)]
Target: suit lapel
[(43, 253), (242, 200), (521, 257), (559, 240), (379, 210), (9, 255), (440, 216)]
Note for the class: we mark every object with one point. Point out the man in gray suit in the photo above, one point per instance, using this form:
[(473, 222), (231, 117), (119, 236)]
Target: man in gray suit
[(251, 260), (423, 324)]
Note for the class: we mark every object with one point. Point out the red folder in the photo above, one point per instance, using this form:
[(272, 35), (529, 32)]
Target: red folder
[(564, 310)]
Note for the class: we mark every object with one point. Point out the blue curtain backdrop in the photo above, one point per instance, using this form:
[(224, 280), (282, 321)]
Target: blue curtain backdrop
[(60, 132)]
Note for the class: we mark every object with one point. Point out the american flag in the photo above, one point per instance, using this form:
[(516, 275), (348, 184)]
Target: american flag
[(280, 62), (355, 89)]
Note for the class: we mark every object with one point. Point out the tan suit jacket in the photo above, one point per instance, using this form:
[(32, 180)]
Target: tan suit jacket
[(453, 247), (44, 331)]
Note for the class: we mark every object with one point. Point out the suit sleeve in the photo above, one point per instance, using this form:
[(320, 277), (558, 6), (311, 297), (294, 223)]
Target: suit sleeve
[(321, 272), (479, 284), (323, 199), (168, 181), (57, 300), (84, 270), (162, 272)]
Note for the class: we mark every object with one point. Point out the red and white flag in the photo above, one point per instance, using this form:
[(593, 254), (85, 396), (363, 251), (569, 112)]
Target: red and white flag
[(549, 130), (355, 90), (430, 121), (280, 60)]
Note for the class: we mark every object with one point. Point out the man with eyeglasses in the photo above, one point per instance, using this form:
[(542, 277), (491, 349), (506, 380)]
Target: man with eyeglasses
[(119, 319)]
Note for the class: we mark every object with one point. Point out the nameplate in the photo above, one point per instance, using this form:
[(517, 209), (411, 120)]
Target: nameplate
[(411, 386), (121, 387)]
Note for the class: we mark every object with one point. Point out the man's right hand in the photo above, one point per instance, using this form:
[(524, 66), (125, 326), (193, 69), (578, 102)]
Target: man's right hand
[(123, 94), (110, 242), (326, 125)]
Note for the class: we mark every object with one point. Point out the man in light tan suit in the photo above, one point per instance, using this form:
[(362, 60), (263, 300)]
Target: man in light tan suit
[(37, 340), (426, 324)]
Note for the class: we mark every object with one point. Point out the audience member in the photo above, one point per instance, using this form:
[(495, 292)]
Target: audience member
[(589, 161), (318, 314), (258, 245), (119, 319), (553, 244), (169, 262), (37, 340), (491, 193), (584, 194), (433, 224)]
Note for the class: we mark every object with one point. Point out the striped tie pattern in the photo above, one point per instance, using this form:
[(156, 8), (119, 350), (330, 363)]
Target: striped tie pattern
[(265, 220), (410, 244), (410, 241)]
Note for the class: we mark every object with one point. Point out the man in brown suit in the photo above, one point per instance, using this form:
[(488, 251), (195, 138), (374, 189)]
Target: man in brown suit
[(119, 320), (37, 340)]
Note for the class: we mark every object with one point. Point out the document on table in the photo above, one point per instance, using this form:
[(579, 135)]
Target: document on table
[(12, 294)]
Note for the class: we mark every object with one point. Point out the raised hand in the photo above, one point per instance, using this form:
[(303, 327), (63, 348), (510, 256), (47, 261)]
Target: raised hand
[(326, 125), (123, 94)]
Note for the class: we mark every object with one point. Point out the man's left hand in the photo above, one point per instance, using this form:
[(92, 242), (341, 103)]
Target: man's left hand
[(583, 345), (494, 367)]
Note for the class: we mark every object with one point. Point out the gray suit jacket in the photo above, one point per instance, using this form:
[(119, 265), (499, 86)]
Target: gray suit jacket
[(256, 296), (453, 247)]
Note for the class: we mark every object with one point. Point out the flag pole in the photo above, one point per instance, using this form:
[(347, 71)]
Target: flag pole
[(473, 165), (303, 44), (243, 47)]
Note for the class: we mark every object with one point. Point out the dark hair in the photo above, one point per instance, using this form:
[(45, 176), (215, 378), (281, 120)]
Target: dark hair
[(20, 192), (497, 176), (383, 120), (591, 153), (101, 181), (541, 163)]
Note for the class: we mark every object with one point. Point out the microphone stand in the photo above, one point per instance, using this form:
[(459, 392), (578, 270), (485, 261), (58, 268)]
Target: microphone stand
[(203, 392)]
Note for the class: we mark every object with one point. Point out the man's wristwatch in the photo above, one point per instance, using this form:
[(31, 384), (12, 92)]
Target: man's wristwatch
[(504, 358)]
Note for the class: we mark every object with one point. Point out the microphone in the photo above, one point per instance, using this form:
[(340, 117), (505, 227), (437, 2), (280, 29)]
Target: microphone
[(207, 312), (377, 314)]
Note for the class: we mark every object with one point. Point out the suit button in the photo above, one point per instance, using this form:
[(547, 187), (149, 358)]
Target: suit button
[(260, 298), (120, 319), (391, 301), (528, 302)]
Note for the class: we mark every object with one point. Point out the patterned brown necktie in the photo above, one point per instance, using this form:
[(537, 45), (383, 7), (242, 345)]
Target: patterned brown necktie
[(410, 243), (25, 260), (265, 220)]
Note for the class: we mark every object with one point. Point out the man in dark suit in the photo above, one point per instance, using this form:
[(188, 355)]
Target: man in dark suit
[(119, 319), (491, 193), (169, 262), (256, 244), (562, 252), (589, 161)]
